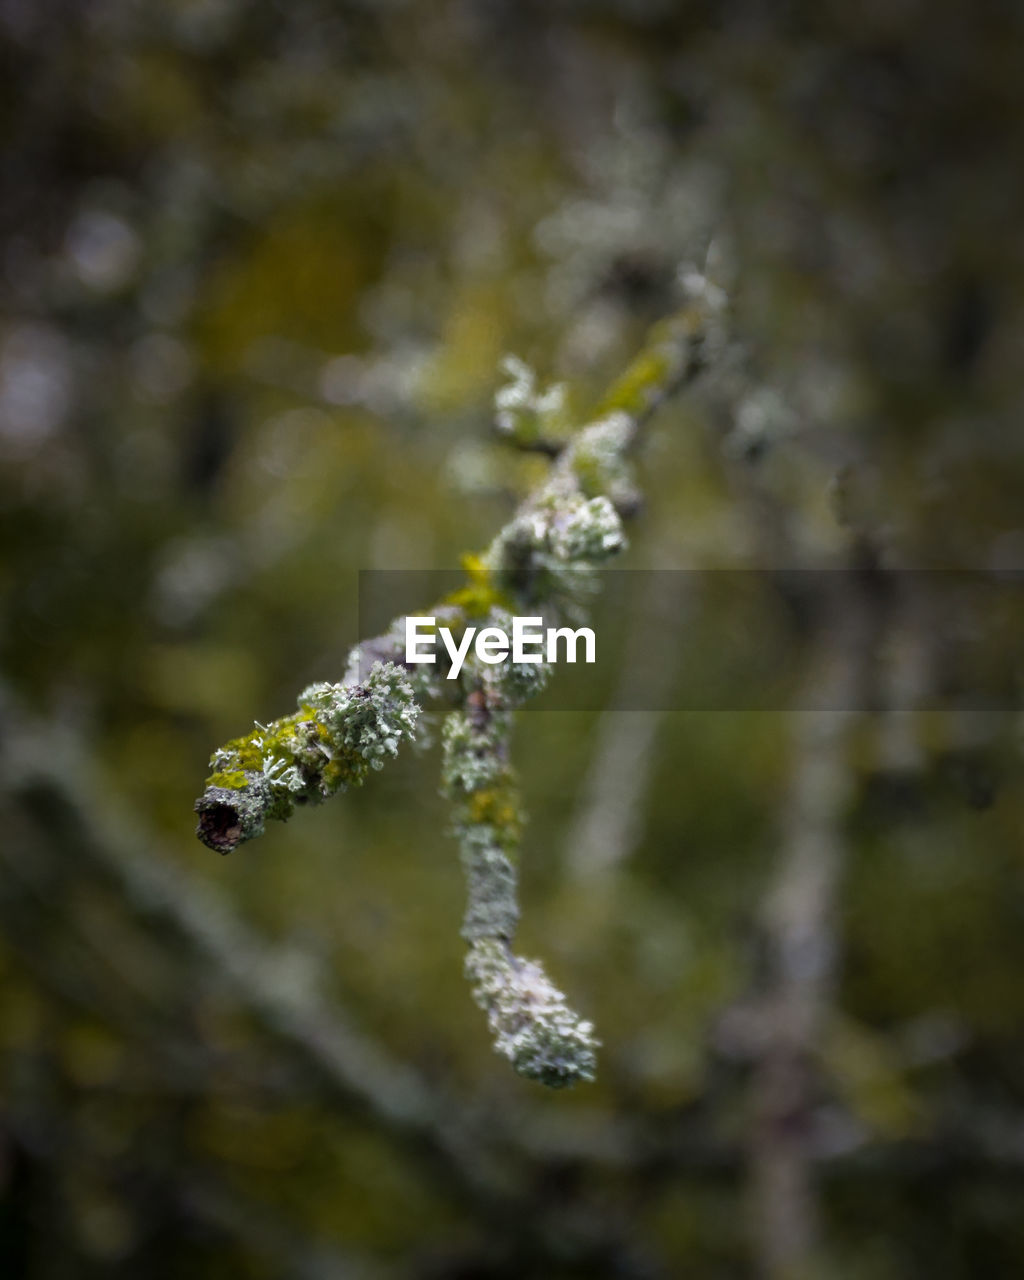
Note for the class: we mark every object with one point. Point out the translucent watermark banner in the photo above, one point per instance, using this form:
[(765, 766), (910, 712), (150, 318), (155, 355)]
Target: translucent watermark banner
[(725, 640)]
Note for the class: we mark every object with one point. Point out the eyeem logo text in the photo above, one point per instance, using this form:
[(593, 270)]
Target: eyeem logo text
[(530, 641)]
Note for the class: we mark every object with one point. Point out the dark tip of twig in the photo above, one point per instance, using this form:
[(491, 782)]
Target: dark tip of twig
[(219, 826)]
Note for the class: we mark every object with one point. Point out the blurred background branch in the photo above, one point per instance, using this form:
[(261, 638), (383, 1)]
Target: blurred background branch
[(259, 267)]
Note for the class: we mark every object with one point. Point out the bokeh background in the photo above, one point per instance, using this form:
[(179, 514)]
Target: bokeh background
[(260, 262)]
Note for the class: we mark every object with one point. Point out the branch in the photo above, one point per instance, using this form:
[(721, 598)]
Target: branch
[(532, 1024), (541, 562), (800, 958), (338, 734), (800, 933), (341, 731)]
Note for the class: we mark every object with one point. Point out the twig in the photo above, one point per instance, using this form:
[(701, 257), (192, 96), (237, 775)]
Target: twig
[(800, 942), (541, 562)]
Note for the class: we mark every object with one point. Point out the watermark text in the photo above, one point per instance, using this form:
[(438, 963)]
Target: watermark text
[(530, 641)]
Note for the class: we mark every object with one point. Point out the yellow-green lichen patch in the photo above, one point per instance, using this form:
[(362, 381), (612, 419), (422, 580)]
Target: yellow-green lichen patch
[(338, 734), (645, 379), (498, 808), (344, 769), (481, 593), (232, 779)]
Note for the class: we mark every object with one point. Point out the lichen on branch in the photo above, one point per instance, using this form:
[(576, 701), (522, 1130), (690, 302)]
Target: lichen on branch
[(530, 1019), (543, 561), (339, 733)]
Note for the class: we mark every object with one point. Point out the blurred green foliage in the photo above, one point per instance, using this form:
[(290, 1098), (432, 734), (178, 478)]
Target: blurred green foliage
[(259, 263)]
